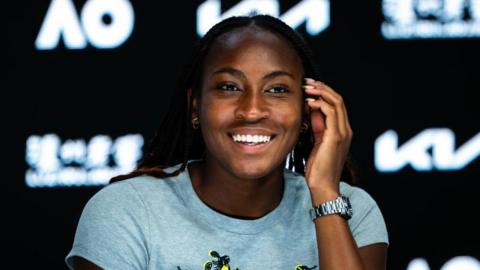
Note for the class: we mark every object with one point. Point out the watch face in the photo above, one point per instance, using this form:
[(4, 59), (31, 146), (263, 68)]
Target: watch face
[(347, 213)]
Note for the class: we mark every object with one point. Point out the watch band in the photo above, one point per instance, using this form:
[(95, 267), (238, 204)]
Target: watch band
[(341, 205)]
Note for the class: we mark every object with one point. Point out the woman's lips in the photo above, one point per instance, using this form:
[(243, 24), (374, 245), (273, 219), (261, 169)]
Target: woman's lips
[(251, 148)]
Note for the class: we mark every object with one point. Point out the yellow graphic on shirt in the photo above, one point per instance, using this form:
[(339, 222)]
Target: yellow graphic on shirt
[(304, 267), (219, 262)]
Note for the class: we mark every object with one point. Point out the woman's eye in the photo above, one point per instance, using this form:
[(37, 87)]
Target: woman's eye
[(228, 87), (278, 90)]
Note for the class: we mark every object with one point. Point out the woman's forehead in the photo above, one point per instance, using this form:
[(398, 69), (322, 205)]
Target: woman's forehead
[(249, 34), (240, 42)]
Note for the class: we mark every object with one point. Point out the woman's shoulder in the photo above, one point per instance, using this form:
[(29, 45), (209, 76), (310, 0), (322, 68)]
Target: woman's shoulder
[(362, 201), (367, 223), (355, 192), (142, 189)]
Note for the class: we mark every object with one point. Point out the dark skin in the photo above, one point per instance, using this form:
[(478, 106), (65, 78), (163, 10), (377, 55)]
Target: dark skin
[(251, 85)]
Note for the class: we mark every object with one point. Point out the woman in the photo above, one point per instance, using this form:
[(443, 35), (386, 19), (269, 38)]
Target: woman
[(226, 200)]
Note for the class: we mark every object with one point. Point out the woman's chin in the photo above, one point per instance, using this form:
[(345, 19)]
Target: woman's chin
[(252, 170)]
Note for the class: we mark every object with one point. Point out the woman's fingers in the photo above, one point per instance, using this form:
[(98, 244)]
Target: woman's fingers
[(318, 89), (339, 101), (331, 120), (332, 133)]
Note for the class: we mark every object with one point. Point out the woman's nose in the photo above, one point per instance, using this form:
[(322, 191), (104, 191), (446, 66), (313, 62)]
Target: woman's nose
[(251, 107)]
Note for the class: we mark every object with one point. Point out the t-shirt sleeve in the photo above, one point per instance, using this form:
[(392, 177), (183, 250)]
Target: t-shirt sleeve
[(113, 229), (367, 223)]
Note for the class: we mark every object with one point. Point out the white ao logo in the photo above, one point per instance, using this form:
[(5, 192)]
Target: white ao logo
[(105, 24)]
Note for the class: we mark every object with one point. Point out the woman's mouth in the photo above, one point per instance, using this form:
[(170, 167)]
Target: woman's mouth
[(251, 139), (251, 143)]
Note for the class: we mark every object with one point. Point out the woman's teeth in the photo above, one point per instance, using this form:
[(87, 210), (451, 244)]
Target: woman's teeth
[(251, 139)]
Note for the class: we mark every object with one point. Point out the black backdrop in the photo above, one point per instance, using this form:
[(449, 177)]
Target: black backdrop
[(403, 85)]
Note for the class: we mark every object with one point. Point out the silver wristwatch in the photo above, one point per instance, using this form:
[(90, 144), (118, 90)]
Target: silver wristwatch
[(341, 205)]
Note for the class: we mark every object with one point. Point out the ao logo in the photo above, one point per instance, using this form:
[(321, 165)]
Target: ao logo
[(315, 13), (105, 24), (390, 157)]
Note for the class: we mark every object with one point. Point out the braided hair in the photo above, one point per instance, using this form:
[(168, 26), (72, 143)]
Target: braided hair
[(176, 142)]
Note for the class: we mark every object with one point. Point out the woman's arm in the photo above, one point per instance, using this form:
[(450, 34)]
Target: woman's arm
[(374, 256), (115, 214), (332, 134), (80, 263), (338, 250)]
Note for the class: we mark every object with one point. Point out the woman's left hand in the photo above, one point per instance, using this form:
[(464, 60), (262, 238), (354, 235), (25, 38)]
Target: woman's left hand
[(333, 134)]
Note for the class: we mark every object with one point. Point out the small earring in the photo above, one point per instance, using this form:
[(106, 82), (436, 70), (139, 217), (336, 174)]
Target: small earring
[(304, 127), (195, 122)]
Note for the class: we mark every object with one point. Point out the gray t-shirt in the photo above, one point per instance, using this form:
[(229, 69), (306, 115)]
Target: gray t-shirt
[(150, 223)]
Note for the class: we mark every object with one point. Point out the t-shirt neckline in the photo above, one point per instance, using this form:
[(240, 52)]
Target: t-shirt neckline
[(235, 225)]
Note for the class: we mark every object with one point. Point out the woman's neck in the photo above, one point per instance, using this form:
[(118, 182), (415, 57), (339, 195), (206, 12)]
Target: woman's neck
[(233, 196)]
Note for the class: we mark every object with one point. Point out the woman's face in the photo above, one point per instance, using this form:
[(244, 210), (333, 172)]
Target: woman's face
[(251, 87)]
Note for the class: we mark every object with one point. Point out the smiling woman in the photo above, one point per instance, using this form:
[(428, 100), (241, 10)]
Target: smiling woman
[(213, 190)]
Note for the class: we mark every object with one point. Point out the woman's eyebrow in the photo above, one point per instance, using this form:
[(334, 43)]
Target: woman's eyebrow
[(239, 74), (277, 73), (232, 71)]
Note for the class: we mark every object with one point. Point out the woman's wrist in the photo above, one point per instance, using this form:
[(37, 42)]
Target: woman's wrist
[(320, 195)]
